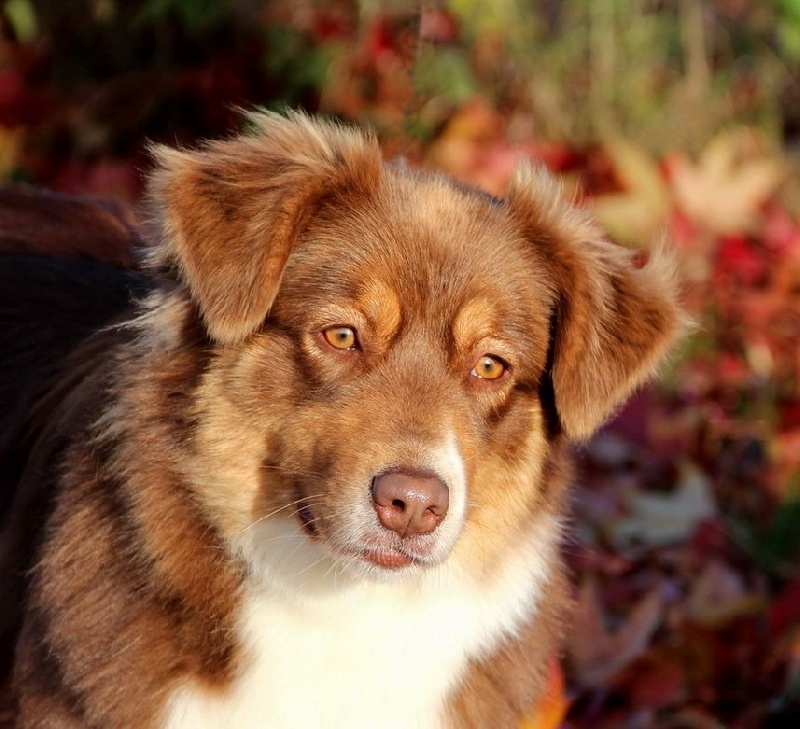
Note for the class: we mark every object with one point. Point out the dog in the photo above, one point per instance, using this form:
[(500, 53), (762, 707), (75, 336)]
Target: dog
[(309, 465)]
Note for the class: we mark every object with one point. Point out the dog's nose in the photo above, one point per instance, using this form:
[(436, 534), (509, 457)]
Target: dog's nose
[(410, 502)]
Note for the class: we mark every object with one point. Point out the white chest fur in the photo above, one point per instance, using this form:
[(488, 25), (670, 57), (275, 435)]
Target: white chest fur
[(365, 656)]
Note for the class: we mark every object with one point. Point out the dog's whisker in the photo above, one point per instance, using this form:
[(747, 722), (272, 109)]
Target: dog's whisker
[(292, 471), (311, 566), (302, 500), (483, 526)]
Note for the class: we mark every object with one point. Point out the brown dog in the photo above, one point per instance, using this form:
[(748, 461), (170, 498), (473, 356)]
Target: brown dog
[(317, 477)]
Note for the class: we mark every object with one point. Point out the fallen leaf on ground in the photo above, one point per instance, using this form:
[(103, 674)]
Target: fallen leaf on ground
[(657, 519), (718, 595), (10, 146), (598, 654), (732, 179), (550, 711), (640, 213)]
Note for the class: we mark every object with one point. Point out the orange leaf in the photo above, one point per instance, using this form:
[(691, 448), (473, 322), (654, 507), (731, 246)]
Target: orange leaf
[(550, 711), (10, 145)]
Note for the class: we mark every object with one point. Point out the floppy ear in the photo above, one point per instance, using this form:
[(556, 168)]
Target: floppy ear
[(231, 210), (613, 322)]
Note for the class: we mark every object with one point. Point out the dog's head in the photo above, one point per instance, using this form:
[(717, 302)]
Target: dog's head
[(396, 356)]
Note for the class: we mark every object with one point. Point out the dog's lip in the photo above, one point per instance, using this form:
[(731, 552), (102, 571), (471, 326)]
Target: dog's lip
[(392, 559), (393, 555)]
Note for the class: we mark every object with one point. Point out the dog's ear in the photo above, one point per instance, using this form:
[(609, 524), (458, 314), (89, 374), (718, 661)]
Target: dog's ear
[(613, 321), (231, 210)]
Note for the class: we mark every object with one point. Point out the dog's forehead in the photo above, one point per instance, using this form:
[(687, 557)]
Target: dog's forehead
[(422, 236)]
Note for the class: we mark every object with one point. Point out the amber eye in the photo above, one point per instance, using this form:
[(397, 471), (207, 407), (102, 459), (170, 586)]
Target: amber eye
[(488, 368), (341, 337)]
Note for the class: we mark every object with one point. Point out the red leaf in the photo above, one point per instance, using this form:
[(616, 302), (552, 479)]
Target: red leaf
[(738, 256), (785, 610)]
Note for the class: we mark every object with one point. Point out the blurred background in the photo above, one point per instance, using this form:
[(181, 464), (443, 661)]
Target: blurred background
[(665, 117)]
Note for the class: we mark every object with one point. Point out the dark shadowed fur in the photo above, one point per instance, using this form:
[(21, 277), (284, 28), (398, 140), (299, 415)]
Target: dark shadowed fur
[(48, 306)]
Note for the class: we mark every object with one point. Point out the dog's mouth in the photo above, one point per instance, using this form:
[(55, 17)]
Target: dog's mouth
[(393, 554), (390, 559), (387, 552)]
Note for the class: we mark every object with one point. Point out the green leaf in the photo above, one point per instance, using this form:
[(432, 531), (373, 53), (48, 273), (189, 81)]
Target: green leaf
[(776, 548), (197, 16), (788, 21), (22, 17), (445, 73)]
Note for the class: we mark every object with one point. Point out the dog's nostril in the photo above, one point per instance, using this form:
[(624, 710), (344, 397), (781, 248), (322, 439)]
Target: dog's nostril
[(409, 501)]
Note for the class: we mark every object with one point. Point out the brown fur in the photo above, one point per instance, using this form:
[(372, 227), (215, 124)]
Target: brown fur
[(54, 224), (219, 404)]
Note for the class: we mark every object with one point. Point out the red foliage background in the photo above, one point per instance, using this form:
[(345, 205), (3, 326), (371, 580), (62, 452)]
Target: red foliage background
[(686, 536)]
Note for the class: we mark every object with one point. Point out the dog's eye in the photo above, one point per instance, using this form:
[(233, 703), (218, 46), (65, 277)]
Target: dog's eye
[(341, 337), (489, 367)]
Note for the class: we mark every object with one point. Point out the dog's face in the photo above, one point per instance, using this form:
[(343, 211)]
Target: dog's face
[(395, 355), (405, 345)]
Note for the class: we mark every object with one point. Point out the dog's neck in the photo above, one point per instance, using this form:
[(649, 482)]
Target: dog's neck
[(319, 638)]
